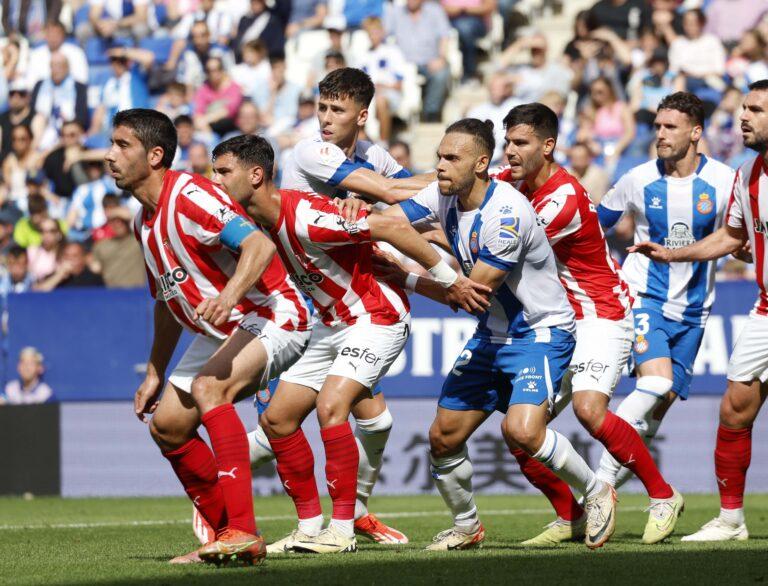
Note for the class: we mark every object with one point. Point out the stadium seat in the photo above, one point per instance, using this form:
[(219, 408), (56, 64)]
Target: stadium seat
[(160, 46), (96, 51)]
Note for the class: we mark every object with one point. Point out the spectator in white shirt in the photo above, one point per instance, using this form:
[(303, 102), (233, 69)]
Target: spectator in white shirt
[(29, 388), (254, 71), (114, 18), (56, 42), (219, 22), (500, 102)]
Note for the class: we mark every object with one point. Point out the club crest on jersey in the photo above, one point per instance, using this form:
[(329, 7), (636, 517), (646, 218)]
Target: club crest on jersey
[(704, 206), (168, 283), (655, 203), (679, 235), (474, 247), (641, 344)]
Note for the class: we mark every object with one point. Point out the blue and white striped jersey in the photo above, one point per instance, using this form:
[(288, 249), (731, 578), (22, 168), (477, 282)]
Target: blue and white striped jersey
[(674, 212), (502, 232)]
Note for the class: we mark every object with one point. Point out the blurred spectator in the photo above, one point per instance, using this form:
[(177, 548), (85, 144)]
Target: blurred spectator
[(219, 23), (116, 18), (336, 27), (217, 100), (43, 256), (248, 120), (612, 123), (199, 160), (723, 132), (120, 257), (471, 19), (108, 202), (266, 24), (609, 56), (422, 30), (648, 86), (500, 102), (582, 166), (15, 276), (27, 17), (254, 71), (56, 42), (21, 162), (385, 64), (27, 231), (56, 100), (401, 152), (19, 113), (173, 102), (185, 136), (29, 388), (538, 76), (279, 107), (14, 55), (86, 211), (8, 218), (126, 88), (192, 60), (306, 15), (63, 165), (699, 59), (748, 60), (71, 270), (355, 12), (626, 18), (306, 125), (728, 20)]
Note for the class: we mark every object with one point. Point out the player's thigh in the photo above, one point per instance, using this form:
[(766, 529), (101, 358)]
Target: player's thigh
[(195, 357), (749, 358), (336, 397), (651, 355), (289, 406), (742, 402), (314, 365), (369, 407), (602, 350), (175, 420), (451, 429), (685, 342)]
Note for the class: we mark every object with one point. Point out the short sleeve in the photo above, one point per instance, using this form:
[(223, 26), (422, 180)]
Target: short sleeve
[(326, 228), (323, 161), (501, 238), (618, 198), (422, 207), (735, 214)]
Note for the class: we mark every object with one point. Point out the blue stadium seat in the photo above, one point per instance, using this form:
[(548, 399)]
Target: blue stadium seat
[(160, 46), (96, 51)]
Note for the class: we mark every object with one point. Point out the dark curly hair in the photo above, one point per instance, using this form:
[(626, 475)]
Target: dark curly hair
[(687, 103)]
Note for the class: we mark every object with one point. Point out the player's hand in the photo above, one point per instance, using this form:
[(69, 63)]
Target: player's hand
[(146, 398), (387, 268), (215, 311), (652, 250), (468, 295), (744, 253), (350, 207)]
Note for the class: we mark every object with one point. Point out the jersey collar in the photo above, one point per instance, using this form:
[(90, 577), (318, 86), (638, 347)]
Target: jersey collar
[(702, 162)]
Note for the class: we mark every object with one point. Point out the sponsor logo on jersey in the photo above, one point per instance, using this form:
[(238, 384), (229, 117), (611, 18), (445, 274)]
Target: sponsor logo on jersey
[(531, 387), (590, 367), (655, 203), (168, 282), (349, 227), (679, 235), (507, 210), (641, 344), (760, 226), (363, 354), (307, 281), (704, 206), (509, 228)]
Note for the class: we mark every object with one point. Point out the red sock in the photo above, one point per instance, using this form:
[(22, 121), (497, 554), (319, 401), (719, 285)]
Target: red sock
[(624, 443), (195, 467), (230, 446), (556, 490), (296, 467), (733, 452), (341, 461)]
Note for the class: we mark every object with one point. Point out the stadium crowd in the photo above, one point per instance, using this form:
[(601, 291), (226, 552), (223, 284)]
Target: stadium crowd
[(220, 68)]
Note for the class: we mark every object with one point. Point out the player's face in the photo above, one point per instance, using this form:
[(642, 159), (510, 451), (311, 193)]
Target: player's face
[(458, 162), (340, 118), (754, 120), (126, 159), (525, 151), (675, 134), (233, 177)]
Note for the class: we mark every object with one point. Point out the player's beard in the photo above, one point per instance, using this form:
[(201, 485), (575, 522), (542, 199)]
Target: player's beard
[(759, 144)]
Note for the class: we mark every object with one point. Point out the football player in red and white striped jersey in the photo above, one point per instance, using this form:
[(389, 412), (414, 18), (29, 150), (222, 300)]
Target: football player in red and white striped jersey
[(603, 306), (362, 328), (204, 258), (746, 222)]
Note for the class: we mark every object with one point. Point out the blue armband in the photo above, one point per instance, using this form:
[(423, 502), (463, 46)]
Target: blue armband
[(235, 231), (608, 217)]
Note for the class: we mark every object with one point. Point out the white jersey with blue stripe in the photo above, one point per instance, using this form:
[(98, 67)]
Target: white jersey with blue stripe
[(318, 166), (674, 212), (502, 232)]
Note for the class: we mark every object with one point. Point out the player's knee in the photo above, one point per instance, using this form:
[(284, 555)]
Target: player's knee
[(738, 409), (275, 427), (166, 435), (441, 444), (206, 389), (524, 434), (590, 414), (331, 412)]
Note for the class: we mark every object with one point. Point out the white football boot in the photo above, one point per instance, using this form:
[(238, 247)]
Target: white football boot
[(719, 530)]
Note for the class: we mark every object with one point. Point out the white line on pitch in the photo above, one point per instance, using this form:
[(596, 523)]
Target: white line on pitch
[(395, 515)]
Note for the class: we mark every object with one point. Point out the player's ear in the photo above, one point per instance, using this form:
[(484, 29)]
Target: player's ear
[(362, 117), (696, 132), (155, 156), (256, 175), (481, 164), (549, 146)]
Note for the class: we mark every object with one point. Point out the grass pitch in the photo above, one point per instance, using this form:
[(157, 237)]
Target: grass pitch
[(128, 541)]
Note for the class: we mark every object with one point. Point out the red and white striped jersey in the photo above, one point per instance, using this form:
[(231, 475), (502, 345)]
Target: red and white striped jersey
[(591, 277), (186, 261), (748, 209), (330, 260)]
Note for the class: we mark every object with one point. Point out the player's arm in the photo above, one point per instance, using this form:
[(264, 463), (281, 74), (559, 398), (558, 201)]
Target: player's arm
[(256, 252), (725, 240), (397, 231), (389, 190), (166, 337)]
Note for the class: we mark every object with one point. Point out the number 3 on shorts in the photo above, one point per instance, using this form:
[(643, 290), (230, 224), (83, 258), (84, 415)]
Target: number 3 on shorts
[(642, 327)]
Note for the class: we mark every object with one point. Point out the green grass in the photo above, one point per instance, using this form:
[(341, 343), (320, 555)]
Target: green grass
[(39, 545)]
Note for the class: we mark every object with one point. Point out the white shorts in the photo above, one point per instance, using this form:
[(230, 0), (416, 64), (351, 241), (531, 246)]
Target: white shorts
[(749, 359), (363, 352), (602, 350), (283, 349)]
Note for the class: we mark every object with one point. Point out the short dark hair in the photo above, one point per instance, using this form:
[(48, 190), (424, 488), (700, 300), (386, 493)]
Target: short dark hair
[(183, 119), (759, 85), (481, 131), (700, 15), (348, 82), (36, 204), (249, 149), (685, 102), (26, 127), (152, 128), (110, 200), (400, 143), (17, 251), (541, 118), (74, 121)]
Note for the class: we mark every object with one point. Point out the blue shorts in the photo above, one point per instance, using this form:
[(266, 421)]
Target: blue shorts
[(488, 376), (659, 337)]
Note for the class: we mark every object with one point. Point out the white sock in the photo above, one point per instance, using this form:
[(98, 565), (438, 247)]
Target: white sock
[(636, 409), (453, 477), (733, 516), (371, 436), (344, 526), (557, 454), (259, 449), (312, 526)]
